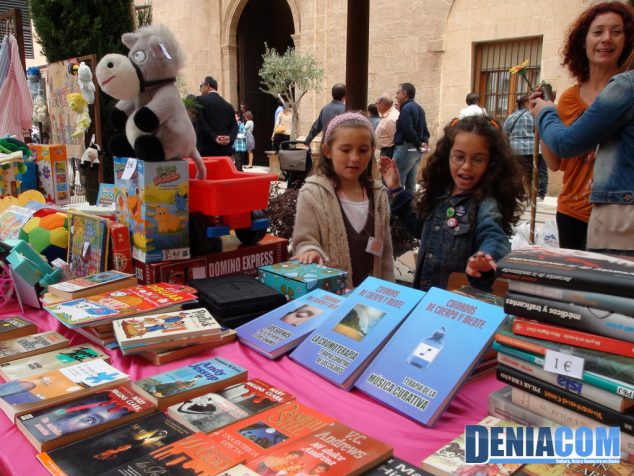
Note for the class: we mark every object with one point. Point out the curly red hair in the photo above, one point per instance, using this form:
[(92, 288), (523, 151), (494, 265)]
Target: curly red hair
[(574, 49)]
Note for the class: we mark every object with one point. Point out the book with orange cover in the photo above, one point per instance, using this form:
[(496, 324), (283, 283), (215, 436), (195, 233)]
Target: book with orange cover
[(160, 357)]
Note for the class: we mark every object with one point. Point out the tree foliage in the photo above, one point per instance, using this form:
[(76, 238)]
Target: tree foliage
[(289, 77)]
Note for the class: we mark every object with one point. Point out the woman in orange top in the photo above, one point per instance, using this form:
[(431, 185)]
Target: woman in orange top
[(597, 44)]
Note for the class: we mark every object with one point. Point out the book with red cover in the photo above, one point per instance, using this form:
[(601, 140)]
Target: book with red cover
[(102, 308), (553, 333), (333, 450), (244, 440)]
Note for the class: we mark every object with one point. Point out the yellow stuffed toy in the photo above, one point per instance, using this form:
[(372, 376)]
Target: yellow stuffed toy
[(78, 104)]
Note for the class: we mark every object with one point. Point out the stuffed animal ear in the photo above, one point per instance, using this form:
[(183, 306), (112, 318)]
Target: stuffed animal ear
[(158, 48), (129, 39)]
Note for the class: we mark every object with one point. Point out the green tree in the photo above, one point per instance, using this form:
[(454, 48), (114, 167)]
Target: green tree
[(289, 77), (68, 28)]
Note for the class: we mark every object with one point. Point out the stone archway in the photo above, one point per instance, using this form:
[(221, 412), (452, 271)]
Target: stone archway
[(247, 25)]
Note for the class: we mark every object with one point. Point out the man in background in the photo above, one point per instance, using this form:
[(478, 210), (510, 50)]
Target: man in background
[(217, 125), (386, 128), (330, 110)]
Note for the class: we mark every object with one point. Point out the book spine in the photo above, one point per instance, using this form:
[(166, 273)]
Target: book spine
[(596, 321), (597, 395), (567, 336), (609, 302), (569, 278), (566, 399), (560, 415), (506, 409), (591, 378)]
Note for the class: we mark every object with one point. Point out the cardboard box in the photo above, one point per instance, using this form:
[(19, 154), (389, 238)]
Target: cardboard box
[(119, 248), (152, 201), (52, 172), (234, 258), (11, 169), (294, 279)]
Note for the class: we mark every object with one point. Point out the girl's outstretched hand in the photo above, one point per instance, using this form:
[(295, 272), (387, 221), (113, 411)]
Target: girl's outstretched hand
[(480, 263), (389, 172), (310, 257)]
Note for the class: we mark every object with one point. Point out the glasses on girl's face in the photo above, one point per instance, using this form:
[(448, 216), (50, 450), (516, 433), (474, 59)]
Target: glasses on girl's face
[(460, 160)]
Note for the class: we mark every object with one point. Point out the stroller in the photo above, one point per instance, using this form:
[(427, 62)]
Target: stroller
[(295, 162)]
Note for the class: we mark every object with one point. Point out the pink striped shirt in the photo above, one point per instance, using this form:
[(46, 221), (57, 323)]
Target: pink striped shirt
[(16, 104)]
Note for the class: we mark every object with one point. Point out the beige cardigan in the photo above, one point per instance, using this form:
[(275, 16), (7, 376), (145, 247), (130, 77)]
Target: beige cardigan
[(319, 227)]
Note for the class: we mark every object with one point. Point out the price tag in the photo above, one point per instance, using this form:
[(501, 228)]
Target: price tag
[(130, 167), (563, 364)]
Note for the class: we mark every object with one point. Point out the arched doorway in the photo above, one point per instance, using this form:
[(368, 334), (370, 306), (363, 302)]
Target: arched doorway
[(261, 21)]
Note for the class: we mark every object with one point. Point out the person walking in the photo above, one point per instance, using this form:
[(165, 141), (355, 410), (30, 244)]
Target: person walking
[(330, 110)]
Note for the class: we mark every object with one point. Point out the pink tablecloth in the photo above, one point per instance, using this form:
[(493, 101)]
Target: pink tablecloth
[(411, 441)]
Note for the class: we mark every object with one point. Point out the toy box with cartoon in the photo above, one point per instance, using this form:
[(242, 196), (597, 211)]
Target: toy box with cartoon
[(52, 172), (294, 279), (152, 201), (11, 168)]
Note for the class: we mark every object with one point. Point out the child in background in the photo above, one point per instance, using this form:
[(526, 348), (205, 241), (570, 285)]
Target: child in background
[(343, 216), (240, 145), (470, 198)]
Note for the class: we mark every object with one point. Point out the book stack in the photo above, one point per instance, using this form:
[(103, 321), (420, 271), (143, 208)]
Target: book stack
[(12, 327), (92, 316), (568, 353)]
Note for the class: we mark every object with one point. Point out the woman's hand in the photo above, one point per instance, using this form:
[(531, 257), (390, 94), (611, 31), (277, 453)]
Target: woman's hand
[(389, 172), (310, 257), (480, 263), (536, 103)]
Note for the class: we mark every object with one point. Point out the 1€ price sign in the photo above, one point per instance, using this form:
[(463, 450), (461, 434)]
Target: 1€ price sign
[(563, 364)]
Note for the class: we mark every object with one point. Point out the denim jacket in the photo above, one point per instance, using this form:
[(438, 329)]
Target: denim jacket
[(609, 121), (445, 249)]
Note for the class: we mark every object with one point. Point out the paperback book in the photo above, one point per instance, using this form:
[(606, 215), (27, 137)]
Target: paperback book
[(12, 327), (501, 406), (48, 361), (27, 394), (71, 421), (92, 284), (571, 269), (333, 450), (418, 373), (88, 243), (215, 410), (563, 335), (135, 334), (573, 316), (396, 467), (282, 329), (160, 357), (26, 346), (99, 309), (101, 453), (343, 345), (185, 383), (576, 469), (450, 459)]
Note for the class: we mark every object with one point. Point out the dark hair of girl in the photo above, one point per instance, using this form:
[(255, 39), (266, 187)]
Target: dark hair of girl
[(502, 179)]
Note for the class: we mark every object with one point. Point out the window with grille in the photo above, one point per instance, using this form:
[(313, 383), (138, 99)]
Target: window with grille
[(499, 90)]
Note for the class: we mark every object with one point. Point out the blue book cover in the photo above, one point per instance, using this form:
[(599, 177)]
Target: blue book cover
[(208, 375), (423, 365), (341, 347), (282, 329)]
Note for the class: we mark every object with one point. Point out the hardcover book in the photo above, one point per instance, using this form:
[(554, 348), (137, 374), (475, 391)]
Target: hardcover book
[(43, 390), (71, 421), (92, 284), (282, 329), (333, 450), (215, 410), (161, 357), (569, 400), (26, 346), (12, 327), (450, 459), (343, 345), (613, 366), (100, 453), (243, 440), (191, 381), (56, 359), (563, 335), (88, 243), (417, 372), (573, 316), (135, 332), (103, 308), (571, 269)]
